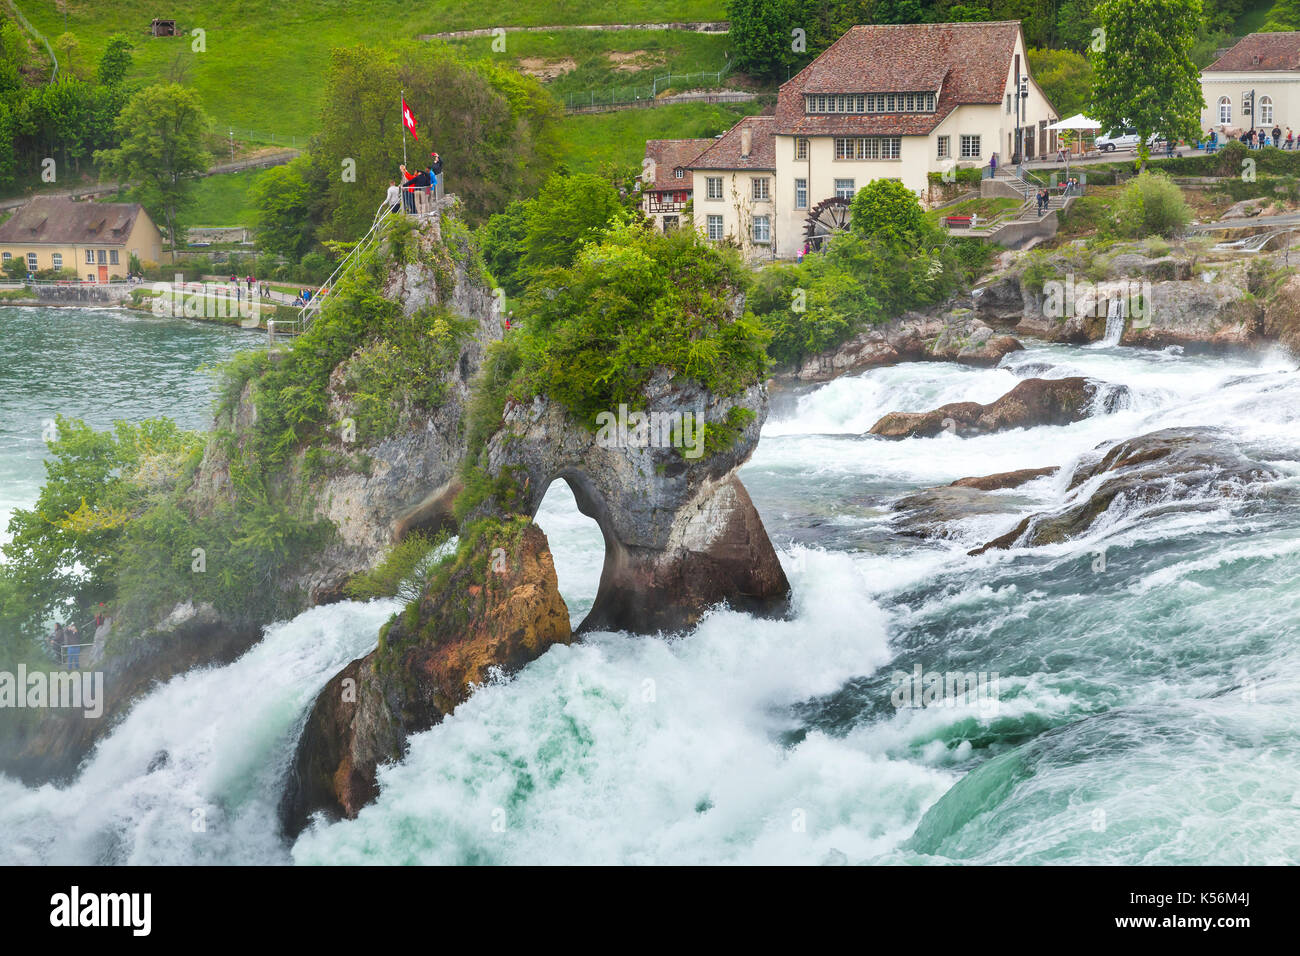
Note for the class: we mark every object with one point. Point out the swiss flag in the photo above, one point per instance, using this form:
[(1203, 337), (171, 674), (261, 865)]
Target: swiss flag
[(408, 119)]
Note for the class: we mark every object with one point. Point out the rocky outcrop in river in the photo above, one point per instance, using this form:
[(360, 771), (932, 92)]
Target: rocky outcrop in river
[(1034, 402), (492, 608), (681, 533), (1174, 467), (956, 335)]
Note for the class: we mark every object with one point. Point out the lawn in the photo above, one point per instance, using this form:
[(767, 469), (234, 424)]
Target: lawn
[(986, 207), (220, 200), (595, 141), (264, 60), (613, 65)]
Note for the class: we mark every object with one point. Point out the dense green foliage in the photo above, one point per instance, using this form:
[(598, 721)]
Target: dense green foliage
[(533, 235), (404, 572), (161, 130), (1065, 77), (1145, 78), (495, 129), (893, 259), (887, 210), (638, 300), (65, 121), (64, 554), (290, 207)]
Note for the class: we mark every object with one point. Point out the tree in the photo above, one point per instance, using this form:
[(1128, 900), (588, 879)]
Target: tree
[(569, 212), (162, 150), (1151, 204), (887, 210), (282, 197), (502, 240), (1145, 76), (761, 35), (497, 131), (1065, 77), (67, 48), (115, 61)]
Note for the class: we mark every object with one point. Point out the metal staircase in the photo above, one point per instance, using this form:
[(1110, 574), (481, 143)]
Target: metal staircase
[(309, 310)]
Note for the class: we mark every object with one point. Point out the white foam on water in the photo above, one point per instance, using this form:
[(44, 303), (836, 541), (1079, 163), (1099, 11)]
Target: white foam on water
[(219, 739)]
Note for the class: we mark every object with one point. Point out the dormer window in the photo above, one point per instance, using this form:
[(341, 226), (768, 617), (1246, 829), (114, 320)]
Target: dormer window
[(679, 173), (870, 102)]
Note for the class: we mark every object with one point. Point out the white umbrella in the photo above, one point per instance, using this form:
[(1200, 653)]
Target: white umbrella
[(1077, 121)]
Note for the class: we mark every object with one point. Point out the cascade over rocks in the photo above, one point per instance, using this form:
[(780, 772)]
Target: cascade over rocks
[(1181, 305), (928, 513), (681, 534), (1033, 402), (494, 612), (1173, 467)]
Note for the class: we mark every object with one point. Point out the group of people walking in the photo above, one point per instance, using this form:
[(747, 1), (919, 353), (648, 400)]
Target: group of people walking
[(418, 188), (253, 285)]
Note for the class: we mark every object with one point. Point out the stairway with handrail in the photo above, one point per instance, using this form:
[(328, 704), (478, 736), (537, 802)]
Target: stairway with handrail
[(313, 305)]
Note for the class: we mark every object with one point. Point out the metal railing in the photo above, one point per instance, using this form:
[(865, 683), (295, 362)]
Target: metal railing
[(26, 24), (618, 95), (65, 657), (313, 305), (246, 135)]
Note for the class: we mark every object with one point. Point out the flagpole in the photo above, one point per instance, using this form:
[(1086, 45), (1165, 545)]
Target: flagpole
[(403, 128)]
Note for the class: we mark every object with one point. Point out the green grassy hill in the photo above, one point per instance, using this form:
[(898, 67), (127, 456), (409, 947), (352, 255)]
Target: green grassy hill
[(264, 60)]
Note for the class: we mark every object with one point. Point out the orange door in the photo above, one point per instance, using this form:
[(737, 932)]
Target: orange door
[(103, 273)]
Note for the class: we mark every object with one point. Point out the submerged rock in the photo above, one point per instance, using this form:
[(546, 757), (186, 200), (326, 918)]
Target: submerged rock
[(1173, 466), (928, 513), (1005, 479), (490, 609), (1033, 402)]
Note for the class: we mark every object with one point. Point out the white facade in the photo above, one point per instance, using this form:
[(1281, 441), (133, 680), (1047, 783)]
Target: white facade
[(809, 168), (1277, 99)]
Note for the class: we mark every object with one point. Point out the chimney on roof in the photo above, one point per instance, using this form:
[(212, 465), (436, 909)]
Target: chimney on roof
[(746, 141)]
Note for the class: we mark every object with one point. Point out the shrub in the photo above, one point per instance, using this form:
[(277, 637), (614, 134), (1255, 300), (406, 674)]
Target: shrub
[(1151, 205)]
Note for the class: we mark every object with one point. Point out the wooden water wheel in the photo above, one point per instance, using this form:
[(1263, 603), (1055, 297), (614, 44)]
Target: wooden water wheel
[(828, 217)]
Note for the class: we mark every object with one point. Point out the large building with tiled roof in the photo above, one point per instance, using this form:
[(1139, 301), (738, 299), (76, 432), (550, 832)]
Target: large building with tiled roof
[(667, 181), (885, 101), (736, 177), (1263, 65), (93, 239)]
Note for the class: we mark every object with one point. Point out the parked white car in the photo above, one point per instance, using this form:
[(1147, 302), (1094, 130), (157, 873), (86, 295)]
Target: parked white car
[(1122, 139)]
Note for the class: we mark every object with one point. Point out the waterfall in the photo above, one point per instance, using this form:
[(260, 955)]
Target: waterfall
[(1114, 324)]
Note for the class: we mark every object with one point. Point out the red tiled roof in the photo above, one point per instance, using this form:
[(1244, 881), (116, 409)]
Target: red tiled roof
[(47, 219), (668, 154), (725, 152), (1260, 51), (966, 62)]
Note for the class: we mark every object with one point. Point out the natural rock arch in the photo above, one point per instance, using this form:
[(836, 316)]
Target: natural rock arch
[(681, 535)]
